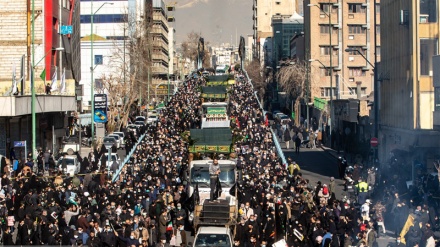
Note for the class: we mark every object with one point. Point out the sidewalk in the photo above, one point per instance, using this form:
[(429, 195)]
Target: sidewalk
[(333, 152)]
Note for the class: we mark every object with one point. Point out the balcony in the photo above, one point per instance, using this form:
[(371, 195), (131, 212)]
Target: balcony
[(21, 105)]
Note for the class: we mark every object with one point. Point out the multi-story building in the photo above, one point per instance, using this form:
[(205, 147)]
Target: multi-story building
[(263, 10), (284, 28), (409, 81), (159, 32), (40, 37), (332, 28)]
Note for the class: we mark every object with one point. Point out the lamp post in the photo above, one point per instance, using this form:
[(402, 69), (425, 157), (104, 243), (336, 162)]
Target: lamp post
[(33, 97), (92, 84), (331, 65)]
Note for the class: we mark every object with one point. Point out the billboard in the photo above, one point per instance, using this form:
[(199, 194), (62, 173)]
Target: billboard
[(100, 108)]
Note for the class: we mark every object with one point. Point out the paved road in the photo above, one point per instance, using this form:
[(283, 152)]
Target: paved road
[(319, 165)]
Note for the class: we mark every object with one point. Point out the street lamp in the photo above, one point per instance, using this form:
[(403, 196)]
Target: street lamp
[(331, 65), (33, 100), (92, 86)]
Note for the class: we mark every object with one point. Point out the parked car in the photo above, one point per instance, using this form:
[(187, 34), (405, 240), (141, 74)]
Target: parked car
[(152, 119), (152, 113), (69, 165), (121, 137), (118, 140), (113, 140), (140, 118), (140, 123)]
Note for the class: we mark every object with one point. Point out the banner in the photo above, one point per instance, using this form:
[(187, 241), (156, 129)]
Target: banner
[(216, 110), (100, 108), (54, 85), (405, 229)]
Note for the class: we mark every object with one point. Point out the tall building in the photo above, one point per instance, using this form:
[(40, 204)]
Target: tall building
[(263, 10), (159, 33), (43, 37), (116, 25), (284, 28), (409, 80), (332, 27)]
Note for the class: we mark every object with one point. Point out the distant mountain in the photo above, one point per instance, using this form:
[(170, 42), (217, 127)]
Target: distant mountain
[(218, 21)]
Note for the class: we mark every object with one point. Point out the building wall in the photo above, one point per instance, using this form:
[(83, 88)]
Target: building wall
[(263, 12), (160, 30), (350, 30)]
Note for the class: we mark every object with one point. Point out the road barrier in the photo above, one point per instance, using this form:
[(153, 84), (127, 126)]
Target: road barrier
[(274, 137), (127, 158)]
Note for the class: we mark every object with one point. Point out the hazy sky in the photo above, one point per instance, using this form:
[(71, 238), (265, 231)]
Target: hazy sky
[(217, 20)]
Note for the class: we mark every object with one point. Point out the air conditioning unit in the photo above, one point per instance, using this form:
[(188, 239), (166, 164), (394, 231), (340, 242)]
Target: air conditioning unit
[(351, 59)]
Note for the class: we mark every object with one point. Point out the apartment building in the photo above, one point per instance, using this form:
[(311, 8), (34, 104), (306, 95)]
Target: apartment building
[(263, 10), (409, 81), (40, 37), (159, 32), (333, 27)]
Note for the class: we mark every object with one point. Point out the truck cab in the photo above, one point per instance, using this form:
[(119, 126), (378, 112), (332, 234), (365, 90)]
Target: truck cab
[(199, 174), (213, 236)]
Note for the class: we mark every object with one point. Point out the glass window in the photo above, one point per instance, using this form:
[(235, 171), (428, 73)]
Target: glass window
[(354, 52), (377, 29), (325, 92), (110, 18), (325, 28), (356, 29), (356, 71), (378, 50), (377, 8), (428, 11), (428, 48), (356, 8)]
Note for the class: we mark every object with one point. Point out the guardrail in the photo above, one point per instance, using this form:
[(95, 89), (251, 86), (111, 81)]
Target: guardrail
[(127, 158), (274, 137)]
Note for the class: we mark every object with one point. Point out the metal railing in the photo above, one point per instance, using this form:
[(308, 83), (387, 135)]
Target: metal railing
[(127, 158), (274, 137)]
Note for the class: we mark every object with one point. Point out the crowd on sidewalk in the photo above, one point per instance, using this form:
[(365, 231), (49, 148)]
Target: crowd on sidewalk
[(148, 204)]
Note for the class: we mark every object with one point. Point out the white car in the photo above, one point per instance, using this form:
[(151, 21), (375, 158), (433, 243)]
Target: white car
[(69, 165), (121, 137), (152, 113), (152, 119), (112, 139), (115, 157), (140, 118), (118, 140)]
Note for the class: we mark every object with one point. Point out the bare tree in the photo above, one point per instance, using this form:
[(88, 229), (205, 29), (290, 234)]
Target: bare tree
[(128, 73), (253, 70), (190, 49)]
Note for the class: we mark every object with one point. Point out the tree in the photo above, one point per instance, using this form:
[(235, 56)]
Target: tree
[(190, 49), (253, 70), (127, 76)]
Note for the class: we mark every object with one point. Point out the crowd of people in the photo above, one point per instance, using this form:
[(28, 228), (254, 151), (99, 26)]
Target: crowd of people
[(148, 203)]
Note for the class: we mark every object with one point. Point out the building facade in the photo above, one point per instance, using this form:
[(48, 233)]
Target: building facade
[(263, 10), (33, 39), (335, 26), (159, 32), (284, 28), (409, 114)]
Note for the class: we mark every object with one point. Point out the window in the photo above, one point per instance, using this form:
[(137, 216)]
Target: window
[(325, 50), (428, 10), (354, 90), (324, 7), (356, 8), (428, 48), (110, 18), (356, 29), (325, 29), (325, 92), (354, 52), (325, 72), (377, 29), (356, 71), (377, 8), (98, 59)]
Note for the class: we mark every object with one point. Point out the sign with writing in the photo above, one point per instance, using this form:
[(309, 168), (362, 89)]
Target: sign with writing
[(19, 144), (66, 30), (216, 110), (100, 108)]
